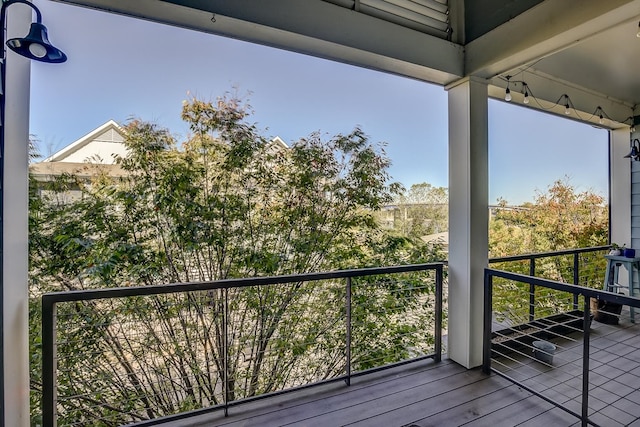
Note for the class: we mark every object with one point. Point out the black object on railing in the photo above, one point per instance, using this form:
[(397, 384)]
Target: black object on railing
[(576, 291), (50, 300)]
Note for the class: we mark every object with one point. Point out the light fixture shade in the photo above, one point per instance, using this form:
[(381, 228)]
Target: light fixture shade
[(36, 46), (631, 154), (634, 154)]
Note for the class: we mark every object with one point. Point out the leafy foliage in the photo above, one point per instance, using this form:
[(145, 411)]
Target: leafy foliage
[(420, 211), (560, 218), (227, 203)]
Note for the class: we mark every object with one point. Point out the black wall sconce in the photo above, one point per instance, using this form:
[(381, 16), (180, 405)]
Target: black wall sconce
[(634, 155)]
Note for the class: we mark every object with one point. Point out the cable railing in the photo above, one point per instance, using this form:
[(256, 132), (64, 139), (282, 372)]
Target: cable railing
[(580, 267), (578, 353), (150, 354)]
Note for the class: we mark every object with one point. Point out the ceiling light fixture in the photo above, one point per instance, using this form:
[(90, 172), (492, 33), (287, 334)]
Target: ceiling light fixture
[(526, 93), (507, 93), (600, 114)]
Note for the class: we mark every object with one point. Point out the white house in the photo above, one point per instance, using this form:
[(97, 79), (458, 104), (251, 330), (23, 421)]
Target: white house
[(101, 145), (95, 153)]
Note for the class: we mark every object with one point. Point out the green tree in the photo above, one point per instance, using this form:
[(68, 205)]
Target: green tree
[(227, 204), (422, 210), (560, 218)]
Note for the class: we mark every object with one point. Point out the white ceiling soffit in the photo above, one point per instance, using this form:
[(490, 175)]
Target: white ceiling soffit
[(427, 16), (310, 27)]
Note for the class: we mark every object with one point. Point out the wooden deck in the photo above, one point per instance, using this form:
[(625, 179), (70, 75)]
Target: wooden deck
[(418, 395), (614, 372), (426, 393)]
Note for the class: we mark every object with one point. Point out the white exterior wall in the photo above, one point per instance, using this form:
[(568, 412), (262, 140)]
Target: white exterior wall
[(102, 147)]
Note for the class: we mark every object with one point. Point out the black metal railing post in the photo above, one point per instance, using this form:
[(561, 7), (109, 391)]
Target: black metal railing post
[(225, 345), (532, 291), (488, 304), (588, 294), (586, 325), (438, 321), (576, 277), (48, 363), (348, 331)]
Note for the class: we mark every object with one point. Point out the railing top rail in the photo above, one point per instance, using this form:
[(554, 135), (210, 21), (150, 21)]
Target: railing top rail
[(547, 254), (93, 294), (575, 289)]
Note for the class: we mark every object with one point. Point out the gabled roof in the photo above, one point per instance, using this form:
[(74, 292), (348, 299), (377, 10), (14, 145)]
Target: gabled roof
[(279, 142), (82, 142)]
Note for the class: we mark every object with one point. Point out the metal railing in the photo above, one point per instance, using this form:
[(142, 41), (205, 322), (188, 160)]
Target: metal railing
[(151, 354), (554, 355), (580, 267)]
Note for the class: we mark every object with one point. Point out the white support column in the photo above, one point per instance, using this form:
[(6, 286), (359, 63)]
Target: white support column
[(15, 255), (620, 187), (468, 218)]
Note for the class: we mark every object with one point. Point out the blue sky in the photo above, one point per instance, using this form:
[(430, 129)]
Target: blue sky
[(120, 68)]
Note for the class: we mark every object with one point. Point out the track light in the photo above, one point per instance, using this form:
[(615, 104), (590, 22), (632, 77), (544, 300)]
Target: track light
[(526, 93)]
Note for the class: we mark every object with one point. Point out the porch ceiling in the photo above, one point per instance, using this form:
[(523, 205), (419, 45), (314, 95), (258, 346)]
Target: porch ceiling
[(586, 48)]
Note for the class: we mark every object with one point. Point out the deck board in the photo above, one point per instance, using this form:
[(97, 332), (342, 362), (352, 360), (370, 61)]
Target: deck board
[(426, 393), (405, 406), (475, 409), (338, 397), (420, 394)]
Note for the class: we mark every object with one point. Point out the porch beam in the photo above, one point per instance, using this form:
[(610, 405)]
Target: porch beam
[(549, 27), (311, 27)]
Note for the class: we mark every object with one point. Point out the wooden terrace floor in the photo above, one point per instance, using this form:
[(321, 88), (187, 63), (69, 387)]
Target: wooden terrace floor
[(417, 395), (426, 393)]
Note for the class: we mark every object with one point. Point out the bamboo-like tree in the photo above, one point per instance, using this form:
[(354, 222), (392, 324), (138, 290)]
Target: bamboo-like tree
[(227, 203)]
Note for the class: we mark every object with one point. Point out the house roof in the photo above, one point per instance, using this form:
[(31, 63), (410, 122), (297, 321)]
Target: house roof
[(279, 142), (64, 154)]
